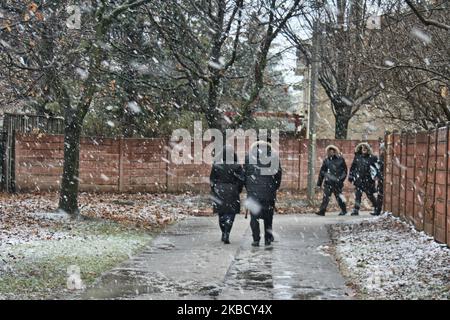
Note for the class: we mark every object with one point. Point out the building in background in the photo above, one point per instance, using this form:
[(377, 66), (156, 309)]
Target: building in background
[(364, 125)]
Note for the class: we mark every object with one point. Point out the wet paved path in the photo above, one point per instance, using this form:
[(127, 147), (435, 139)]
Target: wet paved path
[(188, 261)]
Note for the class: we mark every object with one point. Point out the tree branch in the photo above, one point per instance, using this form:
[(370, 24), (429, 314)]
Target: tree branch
[(427, 22)]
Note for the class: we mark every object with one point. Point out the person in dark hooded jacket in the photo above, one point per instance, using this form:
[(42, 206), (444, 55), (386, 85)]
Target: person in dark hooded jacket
[(361, 175), (333, 172), (263, 174), (227, 182)]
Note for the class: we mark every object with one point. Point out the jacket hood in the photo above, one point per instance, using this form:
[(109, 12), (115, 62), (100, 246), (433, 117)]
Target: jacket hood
[(331, 146), (360, 145)]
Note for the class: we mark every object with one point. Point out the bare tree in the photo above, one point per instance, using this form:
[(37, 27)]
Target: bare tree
[(202, 39), (64, 65), (277, 15), (345, 42), (415, 67), (426, 20)]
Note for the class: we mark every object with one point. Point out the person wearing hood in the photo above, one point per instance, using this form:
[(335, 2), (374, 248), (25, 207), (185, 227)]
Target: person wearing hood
[(361, 175), (227, 182), (333, 172), (263, 175)]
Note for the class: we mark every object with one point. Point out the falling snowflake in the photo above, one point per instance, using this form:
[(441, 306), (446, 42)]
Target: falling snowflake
[(82, 73), (134, 107), (252, 205), (421, 35)]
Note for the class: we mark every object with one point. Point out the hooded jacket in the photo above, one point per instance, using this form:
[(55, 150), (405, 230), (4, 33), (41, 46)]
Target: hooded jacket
[(226, 181), (333, 170), (362, 169), (262, 173)]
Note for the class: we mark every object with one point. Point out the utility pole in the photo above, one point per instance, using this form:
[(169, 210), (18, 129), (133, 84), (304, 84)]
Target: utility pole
[(312, 112)]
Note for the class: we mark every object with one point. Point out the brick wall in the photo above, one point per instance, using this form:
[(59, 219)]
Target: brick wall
[(106, 164), (417, 180), (144, 165)]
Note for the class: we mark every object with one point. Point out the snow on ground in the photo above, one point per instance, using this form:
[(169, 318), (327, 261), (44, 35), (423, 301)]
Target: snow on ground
[(29, 217), (144, 210), (38, 269), (38, 245), (385, 258)]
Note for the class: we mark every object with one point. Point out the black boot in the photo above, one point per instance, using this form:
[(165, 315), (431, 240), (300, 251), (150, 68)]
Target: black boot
[(343, 213), (355, 212), (223, 236), (227, 229), (226, 239)]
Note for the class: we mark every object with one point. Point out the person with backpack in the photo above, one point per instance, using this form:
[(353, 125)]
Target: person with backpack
[(361, 175)]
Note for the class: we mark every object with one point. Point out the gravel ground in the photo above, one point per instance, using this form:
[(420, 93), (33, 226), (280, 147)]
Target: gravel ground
[(385, 258)]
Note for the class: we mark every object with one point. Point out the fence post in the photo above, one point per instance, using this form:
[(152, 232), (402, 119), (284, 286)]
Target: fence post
[(405, 175), (166, 147), (430, 186), (384, 170), (121, 157), (393, 164), (425, 200), (446, 216), (436, 129), (391, 152), (413, 180), (299, 154), (399, 191)]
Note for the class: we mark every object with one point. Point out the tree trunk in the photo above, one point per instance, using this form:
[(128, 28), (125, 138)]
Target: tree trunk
[(68, 199), (341, 129), (212, 115)]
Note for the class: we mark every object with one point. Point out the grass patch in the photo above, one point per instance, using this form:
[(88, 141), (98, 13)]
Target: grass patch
[(38, 270)]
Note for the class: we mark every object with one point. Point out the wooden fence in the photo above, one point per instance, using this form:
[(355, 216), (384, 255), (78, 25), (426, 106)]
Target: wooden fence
[(417, 180), (144, 165)]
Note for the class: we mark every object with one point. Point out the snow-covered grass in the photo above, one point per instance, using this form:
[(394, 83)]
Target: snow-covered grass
[(385, 258), (37, 269), (37, 245)]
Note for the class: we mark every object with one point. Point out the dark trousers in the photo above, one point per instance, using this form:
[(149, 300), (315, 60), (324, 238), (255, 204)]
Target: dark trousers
[(267, 216), (226, 222), (370, 195), (380, 196), (327, 192)]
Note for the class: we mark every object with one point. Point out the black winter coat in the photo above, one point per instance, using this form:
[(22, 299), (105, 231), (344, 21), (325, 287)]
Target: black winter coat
[(227, 181), (333, 171), (262, 187), (361, 172), (380, 168)]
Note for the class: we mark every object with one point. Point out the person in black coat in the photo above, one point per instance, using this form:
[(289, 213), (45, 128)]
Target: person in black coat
[(227, 182), (333, 172), (263, 175), (361, 175)]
